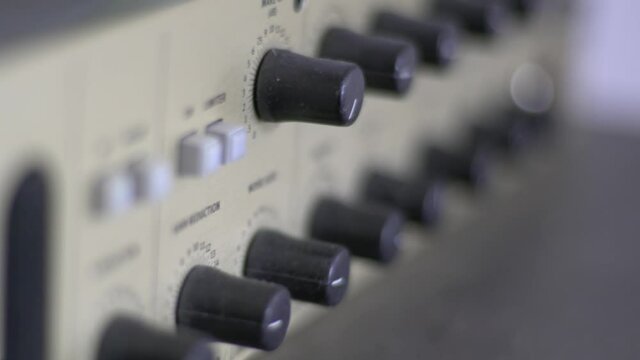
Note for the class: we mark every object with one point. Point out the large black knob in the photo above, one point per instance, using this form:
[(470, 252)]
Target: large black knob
[(292, 87), (468, 165), (419, 200), (371, 231), (388, 64), (312, 271), (239, 311), (129, 339), (436, 40), (479, 16)]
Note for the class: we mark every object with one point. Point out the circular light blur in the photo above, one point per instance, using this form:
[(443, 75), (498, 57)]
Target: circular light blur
[(532, 88)]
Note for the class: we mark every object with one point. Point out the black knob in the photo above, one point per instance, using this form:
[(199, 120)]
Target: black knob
[(292, 87), (312, 271), (239, 311), (436, 40), (388, 64), (535, 124), (507, 135), (128, 339), (524, 8), (479, 16), (419, 200), (468, 165), (371, 231)]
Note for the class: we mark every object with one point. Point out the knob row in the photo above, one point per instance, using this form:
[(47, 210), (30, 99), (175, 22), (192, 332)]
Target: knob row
[(329, 90), (254, 310)]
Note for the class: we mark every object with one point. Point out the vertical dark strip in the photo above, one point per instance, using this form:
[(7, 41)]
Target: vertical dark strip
[(26, 258)]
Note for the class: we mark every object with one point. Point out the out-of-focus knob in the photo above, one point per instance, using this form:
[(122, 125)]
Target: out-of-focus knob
[(370, 231), (239, 311), (128, 339), (507, 134), (312, 270), (420, 200), (536, 124), (436, 40), (469, 165), (388, 64), (292, 87), (524, 8), (479, 16)]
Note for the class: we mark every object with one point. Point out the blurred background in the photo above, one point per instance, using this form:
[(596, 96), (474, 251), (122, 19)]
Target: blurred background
[(602, 71), (549, 273), (604, 88)]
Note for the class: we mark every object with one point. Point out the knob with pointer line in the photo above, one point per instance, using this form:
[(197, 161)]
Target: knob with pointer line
[(292, 87), (388, 64), (312, 271), (239, 311)]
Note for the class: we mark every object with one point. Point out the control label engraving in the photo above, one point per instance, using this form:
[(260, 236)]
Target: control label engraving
[(263, 182), (116, 260), (196, 217)]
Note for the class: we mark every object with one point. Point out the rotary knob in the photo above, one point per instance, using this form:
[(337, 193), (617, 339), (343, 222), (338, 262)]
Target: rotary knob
[(239, 311), (388, 64), (292, 87), (419, 200), (128, 339), (524, 8), (468, 165), (479, 16), (311, 270), (436, 40), (370, 231), (507, 135), (536, 124)]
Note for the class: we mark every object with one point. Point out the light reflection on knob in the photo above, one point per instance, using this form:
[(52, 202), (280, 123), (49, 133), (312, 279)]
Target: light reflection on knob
[(292, 87)]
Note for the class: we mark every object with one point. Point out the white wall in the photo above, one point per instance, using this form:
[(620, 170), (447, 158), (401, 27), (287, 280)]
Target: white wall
[(604, 72)]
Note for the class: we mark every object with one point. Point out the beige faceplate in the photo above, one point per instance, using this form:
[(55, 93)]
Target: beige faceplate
[(93, 101)]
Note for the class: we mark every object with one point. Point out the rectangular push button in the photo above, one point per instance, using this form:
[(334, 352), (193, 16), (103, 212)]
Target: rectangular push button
[(233, 138), (114, 193), (153, 179), (200, 155)]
